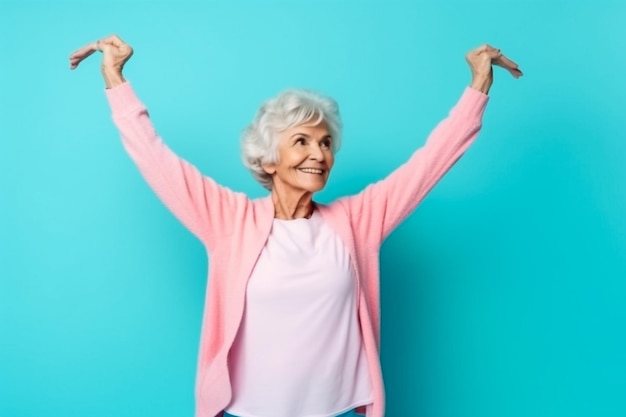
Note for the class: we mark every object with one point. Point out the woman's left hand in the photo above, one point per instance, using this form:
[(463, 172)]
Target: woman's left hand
[(481, 61)]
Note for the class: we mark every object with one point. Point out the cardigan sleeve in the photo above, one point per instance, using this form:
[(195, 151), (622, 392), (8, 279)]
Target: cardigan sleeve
[(382, 206), (201, 204)]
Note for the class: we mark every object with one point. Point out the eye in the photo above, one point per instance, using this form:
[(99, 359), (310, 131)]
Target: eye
[(326, 143), (300, 141)]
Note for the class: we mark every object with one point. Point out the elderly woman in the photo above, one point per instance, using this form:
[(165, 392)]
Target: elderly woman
[(291, 324)]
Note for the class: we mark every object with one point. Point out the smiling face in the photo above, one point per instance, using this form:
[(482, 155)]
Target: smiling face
[(305, 158)]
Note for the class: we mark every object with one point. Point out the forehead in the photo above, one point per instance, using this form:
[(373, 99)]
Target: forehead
[(312, 128)]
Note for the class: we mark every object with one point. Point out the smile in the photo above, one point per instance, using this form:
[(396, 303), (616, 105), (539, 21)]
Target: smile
[(312, 171)]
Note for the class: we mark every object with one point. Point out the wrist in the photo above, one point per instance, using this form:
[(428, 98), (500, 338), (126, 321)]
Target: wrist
[(482, 84), (112, 76)]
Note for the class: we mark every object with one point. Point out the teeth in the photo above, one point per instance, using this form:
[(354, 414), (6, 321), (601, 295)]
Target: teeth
[(311, 170)]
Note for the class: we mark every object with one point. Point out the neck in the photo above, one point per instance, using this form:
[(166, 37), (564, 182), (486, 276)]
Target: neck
[(291, 205)]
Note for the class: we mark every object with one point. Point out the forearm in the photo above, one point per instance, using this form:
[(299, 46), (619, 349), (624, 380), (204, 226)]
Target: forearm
[(201, 204), (112, 77), (383, 205), (482, 83)]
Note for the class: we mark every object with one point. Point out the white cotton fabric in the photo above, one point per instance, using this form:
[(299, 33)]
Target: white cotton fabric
[(298, 352)]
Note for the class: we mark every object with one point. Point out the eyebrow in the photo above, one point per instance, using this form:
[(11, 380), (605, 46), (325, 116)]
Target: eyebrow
[(306, 135)]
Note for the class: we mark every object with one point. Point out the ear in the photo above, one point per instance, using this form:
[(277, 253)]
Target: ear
[(269, 168)]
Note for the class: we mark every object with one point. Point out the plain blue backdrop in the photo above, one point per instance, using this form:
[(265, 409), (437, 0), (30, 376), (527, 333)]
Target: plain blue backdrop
[(503, 295)]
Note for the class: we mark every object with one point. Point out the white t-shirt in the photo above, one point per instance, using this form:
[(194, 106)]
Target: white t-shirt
[(299, 352)]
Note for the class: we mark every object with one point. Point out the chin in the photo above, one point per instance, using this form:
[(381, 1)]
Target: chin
[(316, 187)]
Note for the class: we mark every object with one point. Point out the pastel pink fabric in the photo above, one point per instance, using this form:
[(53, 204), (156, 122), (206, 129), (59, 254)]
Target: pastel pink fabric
[(234, 229), (299, 350)]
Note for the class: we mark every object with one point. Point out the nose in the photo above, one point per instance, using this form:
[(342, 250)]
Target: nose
[(317, 153)]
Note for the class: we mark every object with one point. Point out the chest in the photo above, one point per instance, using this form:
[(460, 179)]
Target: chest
[(302, 261)]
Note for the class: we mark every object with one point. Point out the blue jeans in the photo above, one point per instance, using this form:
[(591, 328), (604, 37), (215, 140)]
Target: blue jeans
[(348, 414)]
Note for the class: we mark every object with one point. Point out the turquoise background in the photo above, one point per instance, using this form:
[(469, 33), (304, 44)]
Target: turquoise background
[(503, 295)]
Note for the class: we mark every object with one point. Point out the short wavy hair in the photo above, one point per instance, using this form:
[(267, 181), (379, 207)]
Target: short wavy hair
[(259, 141)]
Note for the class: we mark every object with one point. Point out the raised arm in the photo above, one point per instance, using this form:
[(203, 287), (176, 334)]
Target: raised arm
[(379, 208), (197, 201)]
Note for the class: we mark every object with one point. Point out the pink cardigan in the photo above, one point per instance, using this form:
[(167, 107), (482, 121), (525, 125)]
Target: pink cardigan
[(234, 229)]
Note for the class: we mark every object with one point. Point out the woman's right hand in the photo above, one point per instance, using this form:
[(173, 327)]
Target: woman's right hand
[(115, 54), (481, 61)]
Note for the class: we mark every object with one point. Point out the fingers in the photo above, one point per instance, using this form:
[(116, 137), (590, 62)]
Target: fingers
[(113, 40), (490, 50), (496, 57), (484, 49), (80, 54), (100, 45), (509, 65)]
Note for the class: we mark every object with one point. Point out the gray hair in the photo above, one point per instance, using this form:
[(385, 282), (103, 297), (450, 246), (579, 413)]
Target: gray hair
[(259, 141)]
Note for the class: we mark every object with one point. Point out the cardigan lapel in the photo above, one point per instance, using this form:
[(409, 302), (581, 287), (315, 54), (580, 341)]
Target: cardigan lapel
[(340, 223), (263, 218), (261, 221)]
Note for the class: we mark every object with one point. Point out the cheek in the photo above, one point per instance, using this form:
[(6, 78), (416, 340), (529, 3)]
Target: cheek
[(284, 161), (330, 160)]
